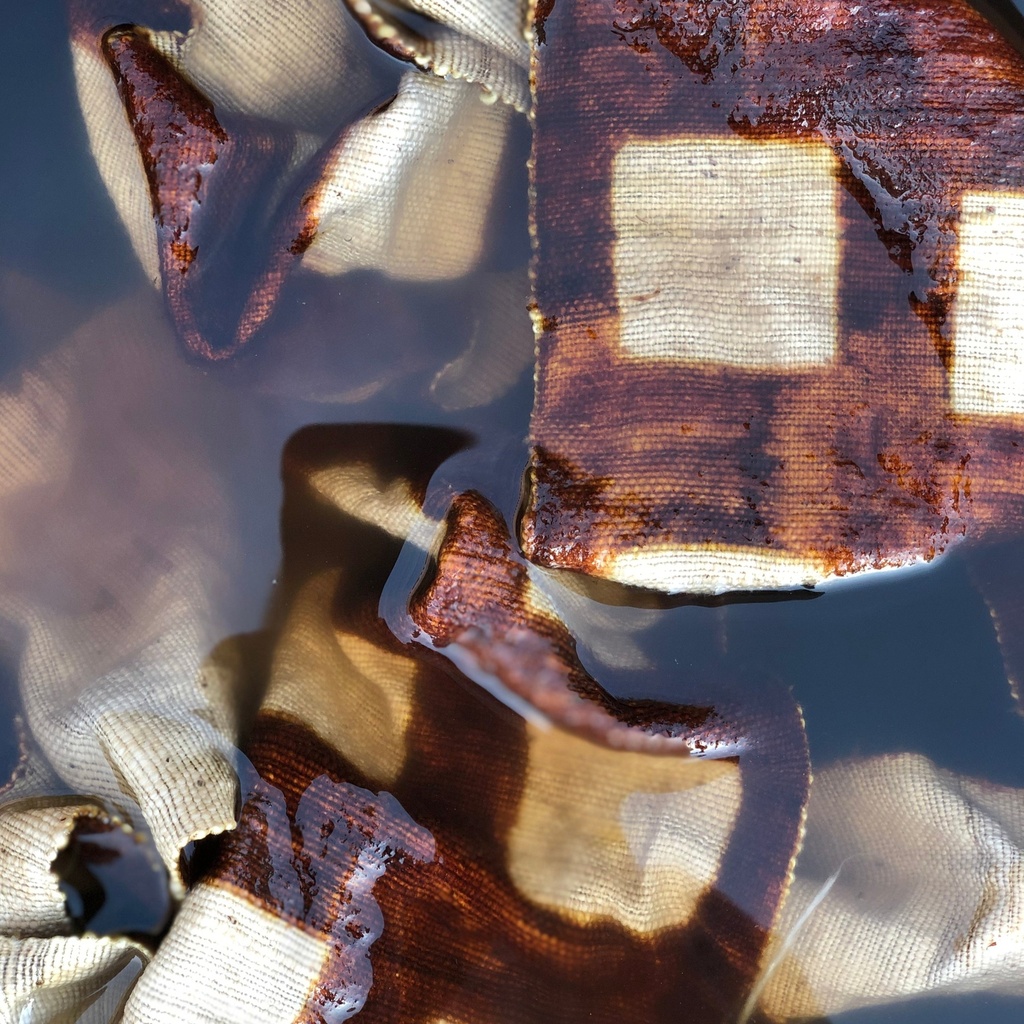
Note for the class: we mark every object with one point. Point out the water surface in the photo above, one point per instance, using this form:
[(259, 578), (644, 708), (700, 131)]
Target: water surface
[(902, 663)]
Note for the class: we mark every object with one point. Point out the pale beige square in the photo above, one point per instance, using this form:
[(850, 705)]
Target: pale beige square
[(727, 251), (988, 315), (604, 834)]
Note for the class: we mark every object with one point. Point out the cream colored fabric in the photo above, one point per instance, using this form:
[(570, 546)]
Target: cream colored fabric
[(408, 189), (296, 62), (727, 251), (57, 980), (988, 315), (31, 836), (712, 569), (473, 40), (929, 898), (116, 552), (499, 26), (228, 961)]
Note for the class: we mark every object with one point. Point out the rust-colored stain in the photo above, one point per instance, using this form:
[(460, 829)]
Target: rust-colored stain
[(478, 599), (859, 462), (459, 938), (458, 941), (177, 134), (304, 239), (181, 142), (555, 487), (206, 178)]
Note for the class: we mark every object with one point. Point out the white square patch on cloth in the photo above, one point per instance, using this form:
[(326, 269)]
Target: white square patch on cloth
[(987, 378), (727, 250)]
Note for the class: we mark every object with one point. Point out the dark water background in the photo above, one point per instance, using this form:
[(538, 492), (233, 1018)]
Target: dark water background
[(905, 663)]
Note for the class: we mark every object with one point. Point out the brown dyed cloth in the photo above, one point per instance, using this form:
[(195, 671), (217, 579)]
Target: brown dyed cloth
[(554, 859), (460, 813), (778, 279)]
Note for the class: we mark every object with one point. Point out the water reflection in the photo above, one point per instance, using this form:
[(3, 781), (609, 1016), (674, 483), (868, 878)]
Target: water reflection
[(564, 869), (141, 504)]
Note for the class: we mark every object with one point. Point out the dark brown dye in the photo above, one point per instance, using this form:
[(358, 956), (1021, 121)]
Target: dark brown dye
[(202, 175), (909, 662), (476, 599), (451, 915), (173, 123), (861, 464), (305, 237), (553, 486)]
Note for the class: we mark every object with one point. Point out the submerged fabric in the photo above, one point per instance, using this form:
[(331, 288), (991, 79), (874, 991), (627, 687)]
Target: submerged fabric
[(433, 808), (797, 237)]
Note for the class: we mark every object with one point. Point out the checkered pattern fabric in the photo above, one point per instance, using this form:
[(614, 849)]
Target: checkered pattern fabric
[(778, 284)]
